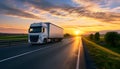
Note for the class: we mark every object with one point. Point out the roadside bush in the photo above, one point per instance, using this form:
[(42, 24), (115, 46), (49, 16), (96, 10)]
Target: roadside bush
[(112, 38), (67, 35), (97, 36), (91, 36)]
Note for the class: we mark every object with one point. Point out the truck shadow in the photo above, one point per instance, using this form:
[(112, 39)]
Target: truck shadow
[(44, 44)]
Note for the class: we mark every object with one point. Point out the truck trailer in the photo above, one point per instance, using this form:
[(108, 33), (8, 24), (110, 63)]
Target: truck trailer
[(44, 32)]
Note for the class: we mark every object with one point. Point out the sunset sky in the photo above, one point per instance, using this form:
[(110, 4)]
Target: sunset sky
[(73, 15)]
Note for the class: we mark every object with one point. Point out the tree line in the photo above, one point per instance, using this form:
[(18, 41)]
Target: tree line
[(110, 38)]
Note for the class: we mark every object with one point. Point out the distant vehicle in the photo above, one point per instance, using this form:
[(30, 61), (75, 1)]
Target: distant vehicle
[(44, 32)]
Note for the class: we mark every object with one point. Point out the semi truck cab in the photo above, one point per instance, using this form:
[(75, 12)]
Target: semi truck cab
[(37, 33)]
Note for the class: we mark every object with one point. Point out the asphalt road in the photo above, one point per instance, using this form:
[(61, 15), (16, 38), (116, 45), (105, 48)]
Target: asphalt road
[(67, 54)]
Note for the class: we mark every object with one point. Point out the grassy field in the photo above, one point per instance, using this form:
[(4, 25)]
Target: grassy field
[(13, 37), (12, 40), (104, 58)]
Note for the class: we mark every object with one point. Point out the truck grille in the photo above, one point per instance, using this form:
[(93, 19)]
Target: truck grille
[(34, 38)]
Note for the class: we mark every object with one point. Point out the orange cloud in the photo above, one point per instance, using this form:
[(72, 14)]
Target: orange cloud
[(12, 30)]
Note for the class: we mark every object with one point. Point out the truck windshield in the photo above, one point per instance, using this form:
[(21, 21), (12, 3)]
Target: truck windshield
[(35, 30)]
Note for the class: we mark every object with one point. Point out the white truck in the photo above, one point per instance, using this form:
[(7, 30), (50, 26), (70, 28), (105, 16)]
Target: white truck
[(44, 32)]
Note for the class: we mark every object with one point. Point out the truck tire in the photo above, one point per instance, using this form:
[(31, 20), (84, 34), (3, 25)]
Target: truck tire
[(45, 41)]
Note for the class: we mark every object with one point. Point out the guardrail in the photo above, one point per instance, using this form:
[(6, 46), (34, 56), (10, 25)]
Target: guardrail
[(12, 42)]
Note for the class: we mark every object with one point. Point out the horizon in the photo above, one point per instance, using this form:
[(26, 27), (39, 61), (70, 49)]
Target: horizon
[(85, 16), (92, 32)]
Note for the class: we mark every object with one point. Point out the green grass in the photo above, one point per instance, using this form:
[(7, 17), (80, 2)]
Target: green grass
[(116, 49), (13, 37), (103, 57), (102, 43)]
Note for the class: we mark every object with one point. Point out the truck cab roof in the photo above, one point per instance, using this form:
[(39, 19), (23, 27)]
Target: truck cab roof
[(38, 24)]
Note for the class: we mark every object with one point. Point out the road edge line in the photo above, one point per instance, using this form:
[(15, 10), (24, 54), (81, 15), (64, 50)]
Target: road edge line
[(78, 57)]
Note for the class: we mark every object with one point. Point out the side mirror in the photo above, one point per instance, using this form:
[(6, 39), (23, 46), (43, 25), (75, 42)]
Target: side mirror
[(43, 30)]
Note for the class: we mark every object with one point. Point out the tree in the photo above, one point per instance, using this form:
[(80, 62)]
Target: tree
[(112, 38), (67, 35), (97, 36), (91, 36)]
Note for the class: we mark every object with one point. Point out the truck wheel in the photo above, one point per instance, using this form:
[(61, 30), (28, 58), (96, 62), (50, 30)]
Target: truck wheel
[(52, 40), (45, 40)]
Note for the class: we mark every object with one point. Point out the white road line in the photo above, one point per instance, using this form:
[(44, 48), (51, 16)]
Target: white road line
[(78, 57), (22, 54)]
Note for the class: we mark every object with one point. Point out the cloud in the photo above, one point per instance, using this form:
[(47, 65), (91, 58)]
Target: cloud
[(84, 10), (81, 26), (116, 9), (92, 5), (46, 4), (49, 6), (13, 30), (60, 8), (12, 11), (93, 9), (104, 16)]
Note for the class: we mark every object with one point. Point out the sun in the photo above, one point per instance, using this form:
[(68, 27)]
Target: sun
[(77, 32)]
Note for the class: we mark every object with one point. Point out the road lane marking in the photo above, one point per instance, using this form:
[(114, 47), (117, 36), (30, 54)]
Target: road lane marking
[(22, 54), (78, 57), (27, 53)]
